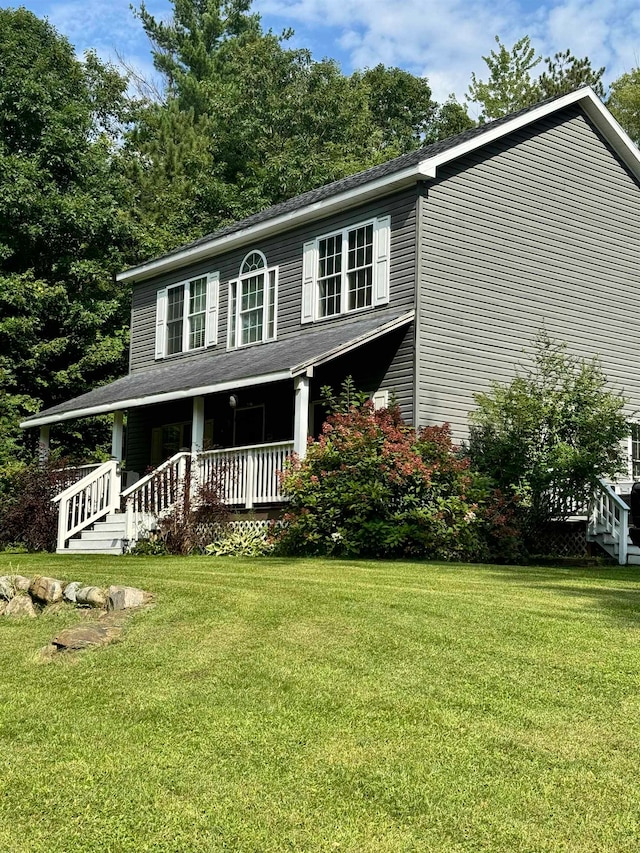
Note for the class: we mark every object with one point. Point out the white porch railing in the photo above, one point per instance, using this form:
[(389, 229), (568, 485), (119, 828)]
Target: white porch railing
[(88, 500), (155, 493), (246, 475), (610, 516)]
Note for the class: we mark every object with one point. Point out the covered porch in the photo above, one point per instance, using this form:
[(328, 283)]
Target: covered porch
[(209, 420)]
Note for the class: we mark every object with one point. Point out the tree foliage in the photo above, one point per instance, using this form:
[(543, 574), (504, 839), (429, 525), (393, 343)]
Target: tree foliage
[(624, 102), (511, 85), (63, 233), (549, 434), (247, 122)]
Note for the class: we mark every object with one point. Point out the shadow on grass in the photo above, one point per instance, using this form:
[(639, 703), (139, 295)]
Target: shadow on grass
[(612, 589)]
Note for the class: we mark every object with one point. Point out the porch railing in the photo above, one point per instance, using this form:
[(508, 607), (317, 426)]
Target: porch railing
[(610, 516), (246, 475), (88, 500)]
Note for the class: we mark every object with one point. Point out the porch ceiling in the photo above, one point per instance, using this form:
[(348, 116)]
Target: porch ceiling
[(212, 372)]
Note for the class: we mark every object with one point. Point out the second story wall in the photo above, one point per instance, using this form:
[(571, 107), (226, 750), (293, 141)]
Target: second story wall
[(284, 253), (538, 231)]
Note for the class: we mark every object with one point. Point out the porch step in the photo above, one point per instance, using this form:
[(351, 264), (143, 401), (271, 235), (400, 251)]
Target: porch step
[(107, 537)]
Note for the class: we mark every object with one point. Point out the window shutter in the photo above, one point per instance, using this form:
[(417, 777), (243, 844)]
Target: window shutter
[(381, 245), (308, 275), (211, 319), (161, 322)]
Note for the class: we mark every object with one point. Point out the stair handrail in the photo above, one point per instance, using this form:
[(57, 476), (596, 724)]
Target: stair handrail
[(139, 484), (84, 502), (611, 512)]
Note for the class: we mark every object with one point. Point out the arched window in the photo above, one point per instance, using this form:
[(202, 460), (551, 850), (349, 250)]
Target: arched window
[(252, 302)]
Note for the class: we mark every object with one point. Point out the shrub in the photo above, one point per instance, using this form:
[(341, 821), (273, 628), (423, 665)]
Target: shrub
[(547, 436), (370, 486), (185, 528), (28, 517)]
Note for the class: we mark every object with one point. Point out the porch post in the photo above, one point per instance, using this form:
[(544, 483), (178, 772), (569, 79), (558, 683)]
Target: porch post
[(301, 415), (197, 425), (43, 444), (116, 437)]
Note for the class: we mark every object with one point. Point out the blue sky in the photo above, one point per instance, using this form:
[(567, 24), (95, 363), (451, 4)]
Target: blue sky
[(443, 40)]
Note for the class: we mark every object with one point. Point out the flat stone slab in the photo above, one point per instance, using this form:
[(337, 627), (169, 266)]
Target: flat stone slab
[(86, 636)]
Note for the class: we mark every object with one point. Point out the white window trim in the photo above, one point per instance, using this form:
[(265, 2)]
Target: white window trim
[(233, 315), (210, 315), (380, 270)]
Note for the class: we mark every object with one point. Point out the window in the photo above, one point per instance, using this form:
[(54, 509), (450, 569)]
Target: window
[(167, 440), (347, 270), (187, 315), (252, 303)]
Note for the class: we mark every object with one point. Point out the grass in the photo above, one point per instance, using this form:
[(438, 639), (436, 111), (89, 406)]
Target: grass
[(275, 705)]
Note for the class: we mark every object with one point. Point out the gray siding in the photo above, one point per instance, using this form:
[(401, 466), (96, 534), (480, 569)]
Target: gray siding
[(537, 231), (389, 361), (284, 251)]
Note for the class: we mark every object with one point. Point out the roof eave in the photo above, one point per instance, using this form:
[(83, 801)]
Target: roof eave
[(262, 230), (424, 170)]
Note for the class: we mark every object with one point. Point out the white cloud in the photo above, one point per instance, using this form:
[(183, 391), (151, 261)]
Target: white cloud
[(446, 41)]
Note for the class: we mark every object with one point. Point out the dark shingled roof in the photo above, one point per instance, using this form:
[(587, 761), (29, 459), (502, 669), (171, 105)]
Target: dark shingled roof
[(211, 368), (351, 181)]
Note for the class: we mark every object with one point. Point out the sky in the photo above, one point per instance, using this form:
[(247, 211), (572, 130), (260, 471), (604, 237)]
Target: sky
[(443, 40)]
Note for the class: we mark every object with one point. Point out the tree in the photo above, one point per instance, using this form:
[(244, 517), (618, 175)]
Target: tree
[(246, 122), (548, 435), (624, 102), (63, 232), (512, 86)]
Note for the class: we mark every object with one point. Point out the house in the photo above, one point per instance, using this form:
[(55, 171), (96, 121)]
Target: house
[(424, 277)]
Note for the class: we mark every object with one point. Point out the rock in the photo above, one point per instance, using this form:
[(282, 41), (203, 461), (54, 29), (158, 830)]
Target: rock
[(125, 597), (54, 608), (21, 584), (85, 636), (3, 607), (19, 606), (46, 590), (70, 591), (7, 590), (91, 595)]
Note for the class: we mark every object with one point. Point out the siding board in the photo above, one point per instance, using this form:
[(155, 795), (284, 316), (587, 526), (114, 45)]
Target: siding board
[(539, 230)]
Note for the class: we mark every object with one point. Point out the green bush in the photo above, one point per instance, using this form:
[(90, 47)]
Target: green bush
[(371, 486), (547, 436)]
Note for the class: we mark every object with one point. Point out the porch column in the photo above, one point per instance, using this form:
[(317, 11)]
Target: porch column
[(43, 445), (301, 415), (197, 425), (116, 437)]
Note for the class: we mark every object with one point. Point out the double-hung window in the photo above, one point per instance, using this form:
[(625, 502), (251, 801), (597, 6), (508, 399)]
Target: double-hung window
[(346, 270), (252, 302), (187, 315)]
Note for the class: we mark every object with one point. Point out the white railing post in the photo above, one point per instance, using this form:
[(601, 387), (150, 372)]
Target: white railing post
[(624, 537), (250, 480)]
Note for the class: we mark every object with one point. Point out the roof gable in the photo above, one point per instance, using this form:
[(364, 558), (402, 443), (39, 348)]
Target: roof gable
[(422, 164)]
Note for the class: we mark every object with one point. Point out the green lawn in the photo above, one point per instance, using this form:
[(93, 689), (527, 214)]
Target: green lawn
[(275, 705)]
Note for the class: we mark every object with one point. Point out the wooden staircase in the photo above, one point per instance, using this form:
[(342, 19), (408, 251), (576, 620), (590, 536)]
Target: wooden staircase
[(107, 536)]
